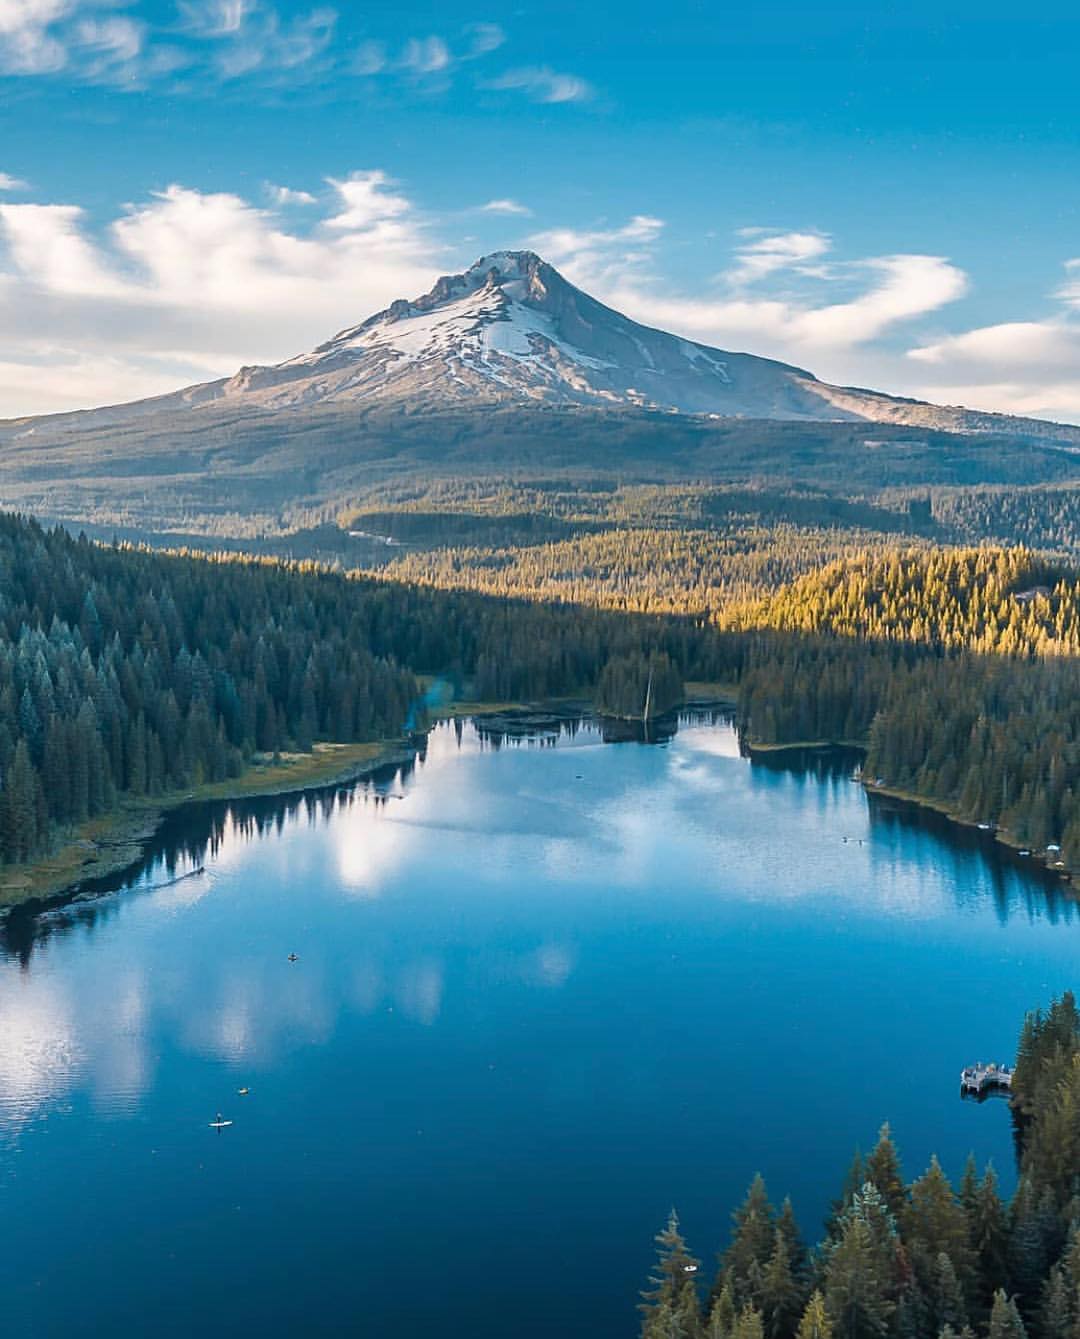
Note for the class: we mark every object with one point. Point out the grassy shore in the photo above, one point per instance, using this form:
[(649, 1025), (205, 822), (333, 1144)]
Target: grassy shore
[(112, 842)]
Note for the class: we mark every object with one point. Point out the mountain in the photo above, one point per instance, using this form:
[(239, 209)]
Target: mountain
[(512, 330), (504, 371)]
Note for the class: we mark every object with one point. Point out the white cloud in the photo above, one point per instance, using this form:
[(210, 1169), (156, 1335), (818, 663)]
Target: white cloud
[(224, 39), (215, 18), (601, 257), (261, 41), (619, 264), (485, 38), (431, 60), (426, 55), (543, 84), (216, 41), (28, 42), (367, 202), (505, 207), (285, 195), (10, 183), (369, 59), (772, 251), (1022, 367), (188, 285), (1070, 290), (110, 48)]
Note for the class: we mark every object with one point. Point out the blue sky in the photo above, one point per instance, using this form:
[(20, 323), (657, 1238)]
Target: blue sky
[(885, 194)]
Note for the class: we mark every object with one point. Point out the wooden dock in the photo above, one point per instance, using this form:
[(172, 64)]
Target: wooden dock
[(981, 1079)]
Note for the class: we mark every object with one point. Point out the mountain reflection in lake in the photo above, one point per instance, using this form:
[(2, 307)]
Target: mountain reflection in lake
[(544, 987)]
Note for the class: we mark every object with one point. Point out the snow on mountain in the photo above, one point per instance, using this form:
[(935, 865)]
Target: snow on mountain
[(512, 330), (510, 327)]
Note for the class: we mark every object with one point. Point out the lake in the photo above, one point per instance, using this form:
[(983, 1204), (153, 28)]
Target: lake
[(544, 989)]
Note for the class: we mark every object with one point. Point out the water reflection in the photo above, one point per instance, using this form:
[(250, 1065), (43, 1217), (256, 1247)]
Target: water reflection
[(507, 968)]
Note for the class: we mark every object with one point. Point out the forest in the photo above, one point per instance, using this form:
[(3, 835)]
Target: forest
[(919, 1259), (129, 672)]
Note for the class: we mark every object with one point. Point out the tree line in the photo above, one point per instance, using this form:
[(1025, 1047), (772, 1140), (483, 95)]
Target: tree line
[(907, 1260), (127, 673)]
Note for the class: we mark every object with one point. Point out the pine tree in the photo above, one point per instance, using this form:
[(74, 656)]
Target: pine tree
[(883, 1170), (948, 1306), (1005, 1322), (853, 1183), (798, 1255), (988, 1235), (722, 1315), (935, 1224), (1055, 1320), (782, 1298), (753, 1228), (858, 1293), (815, 1323), (748, 1324), (670, 1307)]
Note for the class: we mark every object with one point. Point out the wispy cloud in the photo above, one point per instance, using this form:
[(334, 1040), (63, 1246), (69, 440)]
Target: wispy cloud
[(765, 252), (210, 42), (285, 195), (602, 257), (10, 183), (505, 207), (543, 84), (187, 284), (28, 42), (752, 305), (427, 59), (1028, 367), (244, 38), (426, 55)]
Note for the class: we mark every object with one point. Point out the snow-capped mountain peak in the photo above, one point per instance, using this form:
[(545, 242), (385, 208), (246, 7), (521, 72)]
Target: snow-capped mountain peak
[(510, 326), (510, 330)]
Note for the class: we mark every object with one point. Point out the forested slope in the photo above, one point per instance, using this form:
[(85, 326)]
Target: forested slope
[(127, 673), (907, 1260)]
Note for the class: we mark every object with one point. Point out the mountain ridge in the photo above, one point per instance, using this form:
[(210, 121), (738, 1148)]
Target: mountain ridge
[(512, 329)]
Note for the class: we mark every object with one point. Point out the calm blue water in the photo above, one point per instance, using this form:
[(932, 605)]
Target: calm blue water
[(543, 992)]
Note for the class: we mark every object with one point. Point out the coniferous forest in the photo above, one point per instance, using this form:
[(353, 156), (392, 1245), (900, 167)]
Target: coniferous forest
[(126, 672), (918, 1259)]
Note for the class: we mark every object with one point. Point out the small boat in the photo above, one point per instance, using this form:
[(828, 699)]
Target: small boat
[(293, 957), (220, 1124), (1024, 851), (242, 1092)]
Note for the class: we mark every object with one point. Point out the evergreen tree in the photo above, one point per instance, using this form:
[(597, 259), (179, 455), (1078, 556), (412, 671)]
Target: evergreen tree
[(753, 1232), (882, 1169), (988, 1236), (782, 1298), (858, 1291), (1056, 1316), (670, 1307), (815, 1323), (722, 1315), (935, 1225), (1005, 1321)]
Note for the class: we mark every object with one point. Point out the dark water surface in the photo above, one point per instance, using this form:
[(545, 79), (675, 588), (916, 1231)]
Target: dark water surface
[(544, 991)]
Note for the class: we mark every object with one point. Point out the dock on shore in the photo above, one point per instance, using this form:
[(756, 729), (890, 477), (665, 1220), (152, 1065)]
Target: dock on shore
[(980, 1079)]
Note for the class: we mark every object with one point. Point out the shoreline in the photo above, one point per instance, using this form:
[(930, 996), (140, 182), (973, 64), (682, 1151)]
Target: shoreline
[(1040, 859), (107, 845)]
